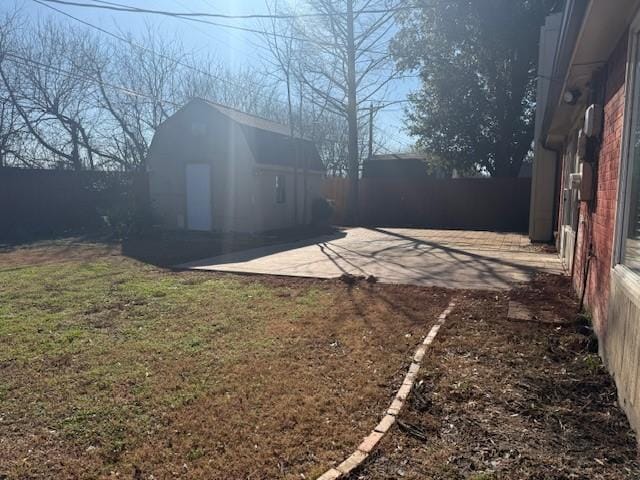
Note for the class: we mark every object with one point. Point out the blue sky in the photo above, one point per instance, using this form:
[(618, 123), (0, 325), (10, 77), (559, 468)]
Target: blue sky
[(232, 47)]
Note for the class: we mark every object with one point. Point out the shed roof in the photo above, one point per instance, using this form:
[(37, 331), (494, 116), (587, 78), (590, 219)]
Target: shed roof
[(270, 142), (396, 165), (248, 119), (399, 156)]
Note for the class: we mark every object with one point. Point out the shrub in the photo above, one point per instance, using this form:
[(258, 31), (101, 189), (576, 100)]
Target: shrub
[(122, 205), (321, 211), (124, 221)]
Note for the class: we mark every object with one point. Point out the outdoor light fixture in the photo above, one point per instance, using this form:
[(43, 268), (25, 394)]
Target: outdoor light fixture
[(571, 96)]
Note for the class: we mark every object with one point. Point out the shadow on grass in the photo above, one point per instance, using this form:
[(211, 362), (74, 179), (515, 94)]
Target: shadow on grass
[(62, 237), (166, 249), (171, 248)]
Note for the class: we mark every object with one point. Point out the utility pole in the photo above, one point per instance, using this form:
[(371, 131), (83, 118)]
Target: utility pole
[(294, 144), (352, 119), (370, 131), (75, 151), (305, 159)]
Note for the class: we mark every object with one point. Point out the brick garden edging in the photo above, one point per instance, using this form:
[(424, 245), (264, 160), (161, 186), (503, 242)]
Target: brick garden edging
[(372, 440)]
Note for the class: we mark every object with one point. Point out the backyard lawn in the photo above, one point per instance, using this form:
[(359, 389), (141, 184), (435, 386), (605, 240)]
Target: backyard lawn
[(115, 368), (112, 367)]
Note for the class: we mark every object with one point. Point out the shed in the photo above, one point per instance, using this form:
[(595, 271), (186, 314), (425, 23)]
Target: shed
[(399, 165), (213, 168)]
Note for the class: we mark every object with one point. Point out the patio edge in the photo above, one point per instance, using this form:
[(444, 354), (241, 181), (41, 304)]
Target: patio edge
[(370, 442)]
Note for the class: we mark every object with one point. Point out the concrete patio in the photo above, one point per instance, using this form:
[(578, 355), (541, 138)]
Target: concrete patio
[(444, 258)]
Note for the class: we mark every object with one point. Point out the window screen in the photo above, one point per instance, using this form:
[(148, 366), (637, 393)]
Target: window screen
[(631, 250)]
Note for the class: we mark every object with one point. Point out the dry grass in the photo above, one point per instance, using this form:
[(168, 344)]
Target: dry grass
[(113, 368), (509, 400)]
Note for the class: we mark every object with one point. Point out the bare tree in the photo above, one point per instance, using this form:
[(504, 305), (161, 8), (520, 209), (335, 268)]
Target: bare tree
[(155, 76), (347, 63), (49, 91), (72, 99), (11, 127), (246, 89), (281, 44), (12, 132), (148, 79)]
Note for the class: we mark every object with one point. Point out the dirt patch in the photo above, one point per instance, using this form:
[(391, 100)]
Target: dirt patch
[(114, 368), (509, 400), (47, 252)]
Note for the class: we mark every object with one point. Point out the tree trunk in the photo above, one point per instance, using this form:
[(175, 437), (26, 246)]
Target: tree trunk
[(294, 144), (352, 121), (75, 152), (305, 165)]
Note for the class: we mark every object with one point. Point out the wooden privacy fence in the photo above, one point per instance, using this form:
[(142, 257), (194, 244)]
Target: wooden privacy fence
[(335, 189), (495, 204), (51, 201)]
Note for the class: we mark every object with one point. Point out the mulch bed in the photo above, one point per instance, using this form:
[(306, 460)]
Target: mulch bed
[(511, 400)]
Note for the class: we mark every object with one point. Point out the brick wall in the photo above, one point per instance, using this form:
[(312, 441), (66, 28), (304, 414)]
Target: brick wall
[(599, 224)]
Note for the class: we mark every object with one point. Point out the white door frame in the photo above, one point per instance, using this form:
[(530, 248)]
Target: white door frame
[(198, 196), (569, 222)]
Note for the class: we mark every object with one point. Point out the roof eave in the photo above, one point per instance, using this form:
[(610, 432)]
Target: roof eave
[(591, 31), (572, 23)]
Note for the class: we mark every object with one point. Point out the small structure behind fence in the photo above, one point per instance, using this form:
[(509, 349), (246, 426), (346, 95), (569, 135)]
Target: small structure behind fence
[(494, 204), (52, 201)]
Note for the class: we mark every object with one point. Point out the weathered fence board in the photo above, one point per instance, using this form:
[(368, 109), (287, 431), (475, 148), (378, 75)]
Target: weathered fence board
[(43, 201), (499, 204)]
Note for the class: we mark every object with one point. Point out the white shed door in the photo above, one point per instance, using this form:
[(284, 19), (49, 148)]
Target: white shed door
[(198, 196)]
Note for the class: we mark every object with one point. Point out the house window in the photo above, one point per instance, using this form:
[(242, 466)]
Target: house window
[(281, 191), (630, 231), (632, 239)]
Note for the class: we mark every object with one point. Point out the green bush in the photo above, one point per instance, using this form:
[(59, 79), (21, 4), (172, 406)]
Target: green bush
[(321, 211), (124, 221), (123, 208)]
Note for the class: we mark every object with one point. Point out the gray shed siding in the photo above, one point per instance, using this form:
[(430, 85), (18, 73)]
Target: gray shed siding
[(242, 192)]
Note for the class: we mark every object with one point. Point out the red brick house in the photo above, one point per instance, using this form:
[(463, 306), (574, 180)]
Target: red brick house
[(586, 175)]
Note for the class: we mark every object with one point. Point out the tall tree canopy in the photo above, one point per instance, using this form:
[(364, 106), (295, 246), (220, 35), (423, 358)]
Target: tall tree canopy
[(478, 61)]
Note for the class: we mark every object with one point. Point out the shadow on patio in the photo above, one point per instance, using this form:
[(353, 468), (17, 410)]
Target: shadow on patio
[(484, 260)]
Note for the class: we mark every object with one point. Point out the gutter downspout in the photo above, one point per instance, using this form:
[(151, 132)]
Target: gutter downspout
[(556, 203)]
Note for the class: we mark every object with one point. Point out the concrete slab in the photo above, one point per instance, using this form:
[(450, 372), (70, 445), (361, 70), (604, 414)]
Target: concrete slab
[(445, 258)]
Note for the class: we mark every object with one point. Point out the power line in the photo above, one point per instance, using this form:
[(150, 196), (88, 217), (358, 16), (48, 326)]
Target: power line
[(231, 47), (392, 109), (397, 140), (147, 49), (385, 149), (29, 61), (382, 104), (278, 16), (207, 34), (130, 9), (150, 50), (246, 40), (137, 45), (20, 60), (167, 57), (192, 19), (129, 41)]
